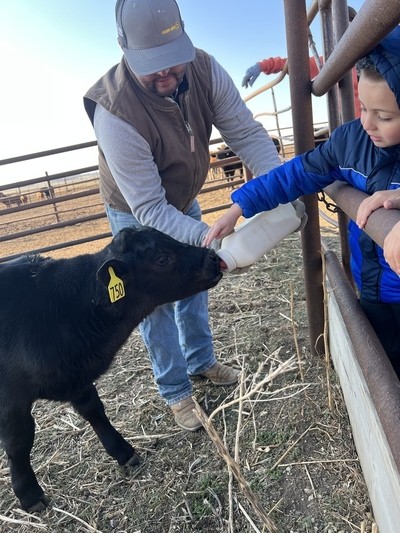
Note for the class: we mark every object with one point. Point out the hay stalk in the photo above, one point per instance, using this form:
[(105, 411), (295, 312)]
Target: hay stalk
[(244, 486)]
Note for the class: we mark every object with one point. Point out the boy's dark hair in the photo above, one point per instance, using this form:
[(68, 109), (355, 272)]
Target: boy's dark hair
[(352, 13), (386, 58), (368, 66)]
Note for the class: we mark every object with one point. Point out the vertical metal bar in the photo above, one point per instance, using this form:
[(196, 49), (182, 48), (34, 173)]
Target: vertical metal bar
[(300, 92), (341, 23), (278, 128), (329, 44), (334, 112)]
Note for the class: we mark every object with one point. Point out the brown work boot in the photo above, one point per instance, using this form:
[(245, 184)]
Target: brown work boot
[(185, 415), (221, 374)]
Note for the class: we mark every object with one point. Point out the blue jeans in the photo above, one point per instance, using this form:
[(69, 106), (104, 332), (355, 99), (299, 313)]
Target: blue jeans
[(177, 335)]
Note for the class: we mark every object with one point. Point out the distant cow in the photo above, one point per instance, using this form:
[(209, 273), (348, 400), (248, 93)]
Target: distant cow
[(62, 322), (321, 135), (231, 168), (45, 193), (277, 144), (8, 201)]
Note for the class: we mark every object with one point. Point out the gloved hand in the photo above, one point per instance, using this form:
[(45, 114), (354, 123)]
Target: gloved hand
[(216, 245), (251, 75), (300, 209)]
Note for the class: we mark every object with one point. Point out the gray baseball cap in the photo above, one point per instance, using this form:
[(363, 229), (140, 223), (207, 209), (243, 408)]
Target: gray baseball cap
[(151, 35)]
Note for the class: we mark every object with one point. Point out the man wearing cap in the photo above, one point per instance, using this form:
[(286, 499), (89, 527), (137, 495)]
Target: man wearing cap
[(153, 114)]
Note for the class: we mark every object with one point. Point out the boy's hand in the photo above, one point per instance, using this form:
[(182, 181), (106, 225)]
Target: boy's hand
[(387, 199), (223, 226), (391, 245), (391, 248)]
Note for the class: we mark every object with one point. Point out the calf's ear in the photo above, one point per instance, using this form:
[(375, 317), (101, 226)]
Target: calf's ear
[(113, 275), (123, 239), (111, 268)]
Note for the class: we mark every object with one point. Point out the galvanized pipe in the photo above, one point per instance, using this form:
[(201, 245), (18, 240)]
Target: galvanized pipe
[(329, 45), (341, 24), (375, 19), (54, 151), (379, 223), (332, 32), (297, 45)]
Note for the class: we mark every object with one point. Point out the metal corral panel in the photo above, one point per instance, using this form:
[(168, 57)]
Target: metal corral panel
[(377, 462)]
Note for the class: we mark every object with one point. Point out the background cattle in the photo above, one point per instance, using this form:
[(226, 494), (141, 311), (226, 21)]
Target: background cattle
[(46, 193), (8, 201), (236, 169), (62, 322), (320, 135), (232, 169), (277, 144)]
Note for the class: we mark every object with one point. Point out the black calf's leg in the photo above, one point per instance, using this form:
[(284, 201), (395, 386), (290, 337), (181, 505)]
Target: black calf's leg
[(90, 407), (17, 435)]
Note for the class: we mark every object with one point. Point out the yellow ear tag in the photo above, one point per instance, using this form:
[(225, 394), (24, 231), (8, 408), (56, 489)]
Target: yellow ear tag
[(116, 289)]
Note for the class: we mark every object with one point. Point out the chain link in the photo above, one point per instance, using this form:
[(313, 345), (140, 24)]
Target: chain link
[(333, 208)]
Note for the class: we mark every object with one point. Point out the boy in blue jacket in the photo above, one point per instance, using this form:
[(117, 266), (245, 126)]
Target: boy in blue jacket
[(365, 153)]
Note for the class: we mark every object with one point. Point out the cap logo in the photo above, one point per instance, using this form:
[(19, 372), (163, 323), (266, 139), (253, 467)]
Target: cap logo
[(174, 27)]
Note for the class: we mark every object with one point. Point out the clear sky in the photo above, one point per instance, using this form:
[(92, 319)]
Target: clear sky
[(51, 52)]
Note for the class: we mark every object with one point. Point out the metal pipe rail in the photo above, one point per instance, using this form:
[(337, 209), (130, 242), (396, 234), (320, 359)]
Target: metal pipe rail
[(54, 151), (379, 223), (360, 37)]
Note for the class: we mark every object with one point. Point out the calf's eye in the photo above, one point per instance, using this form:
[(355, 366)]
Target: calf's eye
[(164, 260)]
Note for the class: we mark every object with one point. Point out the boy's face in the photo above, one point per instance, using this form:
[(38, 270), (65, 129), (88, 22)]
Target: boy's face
[(380, 114)]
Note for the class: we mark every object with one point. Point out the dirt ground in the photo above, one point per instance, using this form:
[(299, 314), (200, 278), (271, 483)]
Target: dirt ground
[(296, 457)]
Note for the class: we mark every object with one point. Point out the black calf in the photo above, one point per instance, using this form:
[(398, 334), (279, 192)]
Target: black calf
[(229, 170), (62, 322)]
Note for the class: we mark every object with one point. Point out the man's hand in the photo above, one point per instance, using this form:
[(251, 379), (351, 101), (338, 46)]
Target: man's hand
[(300, 209)]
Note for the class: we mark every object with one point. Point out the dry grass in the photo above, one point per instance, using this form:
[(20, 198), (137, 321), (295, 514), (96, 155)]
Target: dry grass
[(295, 455)]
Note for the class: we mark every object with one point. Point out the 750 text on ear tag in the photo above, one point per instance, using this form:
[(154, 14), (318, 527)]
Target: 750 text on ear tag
[(116, 289)]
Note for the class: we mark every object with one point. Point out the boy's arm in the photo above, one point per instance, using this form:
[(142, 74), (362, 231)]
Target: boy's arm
[(284, 184)]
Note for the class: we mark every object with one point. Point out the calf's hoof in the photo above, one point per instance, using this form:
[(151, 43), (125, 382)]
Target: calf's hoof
[(39, 506), (134, 460)]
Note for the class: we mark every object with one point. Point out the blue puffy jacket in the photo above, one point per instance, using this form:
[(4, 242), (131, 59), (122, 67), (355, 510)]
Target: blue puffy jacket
[(350, 156)]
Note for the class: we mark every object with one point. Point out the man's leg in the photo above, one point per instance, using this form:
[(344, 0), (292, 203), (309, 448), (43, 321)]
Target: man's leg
[(161, 338)]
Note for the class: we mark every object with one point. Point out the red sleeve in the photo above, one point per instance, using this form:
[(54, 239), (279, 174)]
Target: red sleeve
[(314, 67), (272, 65)]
